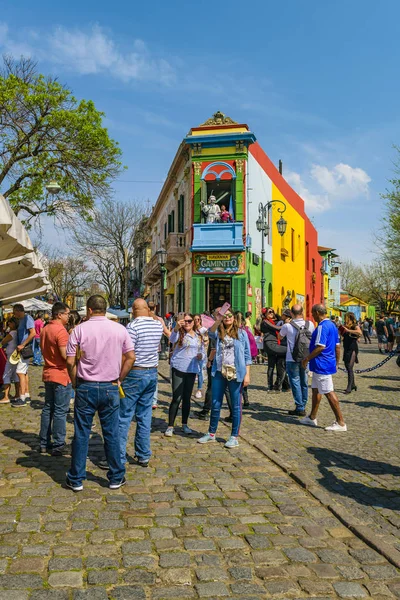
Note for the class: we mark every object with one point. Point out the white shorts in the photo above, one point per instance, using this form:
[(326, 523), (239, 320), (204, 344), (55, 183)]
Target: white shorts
[(22, 366), (10, 374), (323, 383)]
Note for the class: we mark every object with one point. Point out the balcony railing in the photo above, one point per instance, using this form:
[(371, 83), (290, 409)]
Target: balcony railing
[(217, 236), (152, 270), (176, 248)]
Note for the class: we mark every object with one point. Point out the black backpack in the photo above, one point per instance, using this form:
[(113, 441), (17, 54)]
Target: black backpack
[(302, 342)]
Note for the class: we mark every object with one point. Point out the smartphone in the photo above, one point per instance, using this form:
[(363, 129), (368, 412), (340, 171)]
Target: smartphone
[(181, 316), (225, 307)]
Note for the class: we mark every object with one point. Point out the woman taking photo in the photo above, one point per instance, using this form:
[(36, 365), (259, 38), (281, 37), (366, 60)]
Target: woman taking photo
[(275, 351), (231, 366), (350, 333), (187, 356), (204, 333)]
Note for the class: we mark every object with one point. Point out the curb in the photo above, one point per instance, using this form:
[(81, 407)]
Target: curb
[(359, 529)]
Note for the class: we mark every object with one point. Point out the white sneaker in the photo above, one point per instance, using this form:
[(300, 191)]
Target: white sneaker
[(309, 421), (169, 432), (198, 394), (208, 437), (186, 430), (232, 442), (336, 427)]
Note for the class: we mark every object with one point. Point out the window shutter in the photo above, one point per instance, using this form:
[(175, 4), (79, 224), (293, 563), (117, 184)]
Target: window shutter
[(165, 231), (173, 221), (181, 214), (239, 293), (198, 294)]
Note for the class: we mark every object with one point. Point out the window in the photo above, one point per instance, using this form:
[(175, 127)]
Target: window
[(313, 265), (307, 256), (292, 244), (181, 214), (171, 222), (165, 231)]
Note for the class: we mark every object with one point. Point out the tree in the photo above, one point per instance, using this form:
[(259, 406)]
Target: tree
[(390, 237), (381, 285), (45, 134), (68, 275), (351, 277), (108, 241)]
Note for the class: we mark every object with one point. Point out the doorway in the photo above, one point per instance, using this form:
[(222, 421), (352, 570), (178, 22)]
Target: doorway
[(219, 292)]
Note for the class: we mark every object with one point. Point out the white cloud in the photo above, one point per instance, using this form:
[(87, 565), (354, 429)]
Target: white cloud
[(322, 187), (89, 52)]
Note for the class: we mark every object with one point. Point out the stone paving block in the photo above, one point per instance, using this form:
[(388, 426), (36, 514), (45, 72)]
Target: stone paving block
[(174, 559), (8, 551), (14, 595), (334, 557), (212, 590), (49, 595), (378, 589), (198, 544), (172, 592), (66, 579), (382, 572), (345, 589), (16, 582), (139, 576), (93, 594), (137, 547), (179, 576), (241, 573), (129, 592), (300, 555), (282, 586), (65, 564), (137, 560), (211, 574), (367, 556), (102, 577), (27, 565)]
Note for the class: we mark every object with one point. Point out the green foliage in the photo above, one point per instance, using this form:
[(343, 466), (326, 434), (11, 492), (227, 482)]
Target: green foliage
[(45, 134), (391, 233)]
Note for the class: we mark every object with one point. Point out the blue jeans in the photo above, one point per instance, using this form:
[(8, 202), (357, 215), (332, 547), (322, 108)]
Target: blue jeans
[(155, 397), (219, 384), (37, 353), (299, 384), (139, 387), (53, 421), (90, 397), (200, 377)]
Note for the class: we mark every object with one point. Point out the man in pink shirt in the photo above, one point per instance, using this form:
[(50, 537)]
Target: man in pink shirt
[(99, 356)]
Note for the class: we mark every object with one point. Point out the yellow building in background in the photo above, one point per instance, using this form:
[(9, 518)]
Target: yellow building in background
[(288, 254)]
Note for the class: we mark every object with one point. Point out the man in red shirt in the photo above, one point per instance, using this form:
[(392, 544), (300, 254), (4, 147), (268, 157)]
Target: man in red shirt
[(58, 389)]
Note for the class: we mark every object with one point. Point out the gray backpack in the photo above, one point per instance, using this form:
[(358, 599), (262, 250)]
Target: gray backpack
[(302, 342)]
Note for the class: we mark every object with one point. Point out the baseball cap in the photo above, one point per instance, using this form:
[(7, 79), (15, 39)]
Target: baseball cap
[(15, 357)]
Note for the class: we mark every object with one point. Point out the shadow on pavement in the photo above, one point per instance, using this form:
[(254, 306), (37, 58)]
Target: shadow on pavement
[(55, 466), (367, 404), (361, 493), (384, 388)]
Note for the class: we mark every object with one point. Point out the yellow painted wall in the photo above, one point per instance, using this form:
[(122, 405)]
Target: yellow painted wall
[(287, 274), (220, 131)]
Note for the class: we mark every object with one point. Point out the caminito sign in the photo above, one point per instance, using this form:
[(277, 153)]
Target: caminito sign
[(218, 263)]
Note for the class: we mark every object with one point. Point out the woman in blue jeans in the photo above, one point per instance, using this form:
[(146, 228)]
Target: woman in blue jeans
[(231, 365)]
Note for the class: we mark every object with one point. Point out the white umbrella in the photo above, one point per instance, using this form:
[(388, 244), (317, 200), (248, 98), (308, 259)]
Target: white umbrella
[(19, 267), (19, 297), (34, 304), (21, 286), (82, 312), (14, 240)]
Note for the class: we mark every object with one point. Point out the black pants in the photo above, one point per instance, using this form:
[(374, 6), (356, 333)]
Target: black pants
[(182, 388), (208, 396), (349, 364), (281, 377), (366, 336)]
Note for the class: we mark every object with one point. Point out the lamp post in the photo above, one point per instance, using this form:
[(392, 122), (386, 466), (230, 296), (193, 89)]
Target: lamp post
[(263, 226), (162, 259)]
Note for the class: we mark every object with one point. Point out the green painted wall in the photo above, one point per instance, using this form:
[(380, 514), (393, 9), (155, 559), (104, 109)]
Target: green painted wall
[(254, 277)]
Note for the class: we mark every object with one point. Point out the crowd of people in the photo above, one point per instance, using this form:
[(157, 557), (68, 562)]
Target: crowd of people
[(112, 370)]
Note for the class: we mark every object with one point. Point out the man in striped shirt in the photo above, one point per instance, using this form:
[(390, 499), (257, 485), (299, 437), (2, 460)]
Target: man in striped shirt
[(140, 383)]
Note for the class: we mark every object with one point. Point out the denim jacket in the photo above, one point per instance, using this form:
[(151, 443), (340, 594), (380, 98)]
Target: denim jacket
[(242, 353)]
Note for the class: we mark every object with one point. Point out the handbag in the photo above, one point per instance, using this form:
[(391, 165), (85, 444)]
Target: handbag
[(27, 352), (229, 372)]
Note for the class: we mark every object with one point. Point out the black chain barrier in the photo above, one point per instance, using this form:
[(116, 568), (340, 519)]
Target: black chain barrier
[(358, 371)]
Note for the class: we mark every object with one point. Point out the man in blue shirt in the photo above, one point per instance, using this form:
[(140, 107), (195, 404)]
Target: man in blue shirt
[(323, 359), (25, 334)]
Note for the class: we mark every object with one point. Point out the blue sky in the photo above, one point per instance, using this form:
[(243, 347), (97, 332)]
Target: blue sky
[(316, 82)]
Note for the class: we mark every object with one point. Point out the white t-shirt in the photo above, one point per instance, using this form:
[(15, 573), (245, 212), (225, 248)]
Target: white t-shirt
[(291, 333), (12, 344)]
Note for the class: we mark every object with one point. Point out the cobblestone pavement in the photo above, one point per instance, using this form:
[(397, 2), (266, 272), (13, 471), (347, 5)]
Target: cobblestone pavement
[(200, 522)]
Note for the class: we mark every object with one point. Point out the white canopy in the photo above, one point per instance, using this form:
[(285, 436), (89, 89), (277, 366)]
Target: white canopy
[(14, 240), (33, 304), (19, 267), (23, 286), (23, 296)]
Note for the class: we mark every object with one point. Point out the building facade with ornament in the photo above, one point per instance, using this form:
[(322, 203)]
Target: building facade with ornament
[(207, 219)]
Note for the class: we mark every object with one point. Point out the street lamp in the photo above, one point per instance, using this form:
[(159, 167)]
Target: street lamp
[(263, 226), (53, 187), (162, 259)]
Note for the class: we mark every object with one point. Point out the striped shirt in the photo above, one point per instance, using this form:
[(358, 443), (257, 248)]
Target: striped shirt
[(145, 333)]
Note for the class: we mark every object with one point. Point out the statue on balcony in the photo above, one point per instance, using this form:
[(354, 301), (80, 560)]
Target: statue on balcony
[(211, 210)]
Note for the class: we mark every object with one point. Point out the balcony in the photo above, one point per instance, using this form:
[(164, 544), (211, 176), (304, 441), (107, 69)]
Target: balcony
[(217, 236), (176, 248), (152, 270)]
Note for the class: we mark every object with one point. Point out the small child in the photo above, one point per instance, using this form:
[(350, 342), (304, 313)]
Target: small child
[(225, 216), (10, 343)]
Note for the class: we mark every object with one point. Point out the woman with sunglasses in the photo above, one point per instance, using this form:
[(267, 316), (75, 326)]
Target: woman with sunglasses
[(187, 356), (231, 368)]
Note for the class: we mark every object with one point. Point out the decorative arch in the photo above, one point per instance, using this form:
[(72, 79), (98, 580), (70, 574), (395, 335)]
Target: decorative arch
[(216, 170)]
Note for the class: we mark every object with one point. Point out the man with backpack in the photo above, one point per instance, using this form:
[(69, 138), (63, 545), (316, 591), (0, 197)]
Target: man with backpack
[(298, 335)]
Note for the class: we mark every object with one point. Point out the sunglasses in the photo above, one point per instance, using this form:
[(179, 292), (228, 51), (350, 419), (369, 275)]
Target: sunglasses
[(228, 316), (188, 320)]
